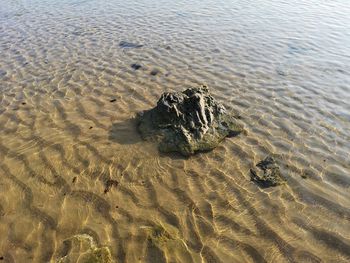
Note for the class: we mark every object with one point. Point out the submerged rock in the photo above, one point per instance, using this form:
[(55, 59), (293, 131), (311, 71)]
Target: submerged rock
[(82, 249), (267, 173), (187, 122), (125, 44)]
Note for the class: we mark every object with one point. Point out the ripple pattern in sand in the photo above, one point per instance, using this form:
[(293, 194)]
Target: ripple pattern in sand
[(68, 92)]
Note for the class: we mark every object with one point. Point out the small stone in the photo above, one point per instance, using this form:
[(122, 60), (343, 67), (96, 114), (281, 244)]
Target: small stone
[(74, 179), (136, 66), (125, 44), (23, 103), (154, 72), (113, 100), (267, 173), (1, 258), (90, 127)]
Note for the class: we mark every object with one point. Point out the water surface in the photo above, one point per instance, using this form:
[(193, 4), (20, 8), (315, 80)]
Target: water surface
[(68, 93)]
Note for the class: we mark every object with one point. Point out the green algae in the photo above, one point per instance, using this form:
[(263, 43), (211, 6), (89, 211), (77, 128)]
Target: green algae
[(82, 249)]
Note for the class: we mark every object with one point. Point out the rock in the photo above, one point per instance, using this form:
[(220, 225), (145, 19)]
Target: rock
[(125, 44), (267, 173), (187, 122), (135, 66), (154, 72), (82, 249)]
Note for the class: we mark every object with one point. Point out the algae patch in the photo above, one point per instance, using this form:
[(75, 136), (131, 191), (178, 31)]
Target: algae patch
[(267, 173), (82, 249)]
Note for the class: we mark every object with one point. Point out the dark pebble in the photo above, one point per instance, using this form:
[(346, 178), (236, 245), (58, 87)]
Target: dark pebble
[(168, 48), (125, 44), (1, 258), (280, 72), (136, 66), (74, 180), (116, 206), (90, 127), (113, 100), (23, 103), (154, 72)]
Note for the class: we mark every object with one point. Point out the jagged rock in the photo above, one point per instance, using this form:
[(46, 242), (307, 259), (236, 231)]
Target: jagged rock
[(82, 249), (267, 173), (188, 122)]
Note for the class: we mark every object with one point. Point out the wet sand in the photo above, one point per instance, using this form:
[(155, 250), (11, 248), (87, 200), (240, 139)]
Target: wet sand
[(73, 74)]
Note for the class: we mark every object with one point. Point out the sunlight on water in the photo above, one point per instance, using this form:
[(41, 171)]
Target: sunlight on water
[(73, 74)]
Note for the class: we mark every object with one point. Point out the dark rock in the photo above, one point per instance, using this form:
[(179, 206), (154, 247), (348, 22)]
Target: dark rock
[(125, 44), (187, 122), (135, 66), (267, 173), (113, 100), (154, 72)]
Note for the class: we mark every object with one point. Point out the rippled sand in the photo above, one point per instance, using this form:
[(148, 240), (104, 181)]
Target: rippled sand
[(68, 94)]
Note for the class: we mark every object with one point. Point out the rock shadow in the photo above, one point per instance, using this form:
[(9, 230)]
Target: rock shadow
[(125, 132)]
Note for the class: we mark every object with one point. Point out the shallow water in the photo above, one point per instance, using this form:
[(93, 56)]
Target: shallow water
[(68, 93)]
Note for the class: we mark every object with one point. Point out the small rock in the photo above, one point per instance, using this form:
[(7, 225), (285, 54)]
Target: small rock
[(154, 72), (90, 127), (74, 179), (267, 173), (136, 66), (125, 44), (23, 103), (113, 100), (281, 72)]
